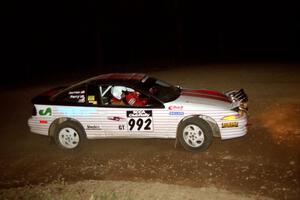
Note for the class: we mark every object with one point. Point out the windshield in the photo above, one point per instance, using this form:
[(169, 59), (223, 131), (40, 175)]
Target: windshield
[(160, 89)]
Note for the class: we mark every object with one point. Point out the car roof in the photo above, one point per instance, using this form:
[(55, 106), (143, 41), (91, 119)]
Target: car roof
[(118, 77), (109, 78)]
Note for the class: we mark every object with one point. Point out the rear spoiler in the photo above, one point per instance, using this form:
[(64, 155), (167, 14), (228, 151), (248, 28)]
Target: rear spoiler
[(44, 97)]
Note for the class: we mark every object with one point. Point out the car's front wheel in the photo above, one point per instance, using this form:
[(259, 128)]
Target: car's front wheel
[(194, 134), (69, 135)]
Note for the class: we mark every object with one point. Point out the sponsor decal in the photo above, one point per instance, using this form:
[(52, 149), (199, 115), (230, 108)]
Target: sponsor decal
[(131, 101), (46, 111), (176, 113), (79, 95), (115, 118), (93, 127), (77, 92), (91, 99), (175, 107), (139, 113), (93, 102), (230, 124), (80, 98), (43, 122), (139, 120), (71, 111)]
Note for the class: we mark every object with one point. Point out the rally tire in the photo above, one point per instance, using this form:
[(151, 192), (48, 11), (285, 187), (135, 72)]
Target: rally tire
[(69, 135), (194, 134)]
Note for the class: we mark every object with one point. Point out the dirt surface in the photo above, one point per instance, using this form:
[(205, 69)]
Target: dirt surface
[(112, 190), (263, 163)]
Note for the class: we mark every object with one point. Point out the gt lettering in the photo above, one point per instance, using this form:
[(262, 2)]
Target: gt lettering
[(121, 127)]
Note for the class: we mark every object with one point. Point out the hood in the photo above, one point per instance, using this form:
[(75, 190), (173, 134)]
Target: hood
[(209, 94), (203, 97)]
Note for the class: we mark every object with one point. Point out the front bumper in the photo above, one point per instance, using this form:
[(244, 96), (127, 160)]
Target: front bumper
[(228, 132)]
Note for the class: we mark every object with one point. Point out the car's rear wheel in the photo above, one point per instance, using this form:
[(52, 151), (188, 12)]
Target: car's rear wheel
[(194, 134), (69, 135)]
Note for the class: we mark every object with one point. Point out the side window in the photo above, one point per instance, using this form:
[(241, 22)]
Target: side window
[(126, 97), (75, 96)]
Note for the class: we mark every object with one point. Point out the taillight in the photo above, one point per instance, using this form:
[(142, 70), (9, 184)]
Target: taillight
[(33, 111)]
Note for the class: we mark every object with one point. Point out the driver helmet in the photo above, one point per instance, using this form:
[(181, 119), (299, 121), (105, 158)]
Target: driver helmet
[(117, 91)]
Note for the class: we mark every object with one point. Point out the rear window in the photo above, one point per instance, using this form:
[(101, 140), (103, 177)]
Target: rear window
[(75, 96)]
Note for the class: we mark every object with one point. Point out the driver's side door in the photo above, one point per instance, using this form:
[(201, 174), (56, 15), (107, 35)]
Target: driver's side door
[(127, 120)]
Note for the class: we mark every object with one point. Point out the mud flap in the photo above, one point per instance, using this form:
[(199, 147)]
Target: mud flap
[(176, 143)]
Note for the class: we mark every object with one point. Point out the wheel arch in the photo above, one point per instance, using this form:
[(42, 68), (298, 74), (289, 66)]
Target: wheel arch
[(61, 120), (210, 121)]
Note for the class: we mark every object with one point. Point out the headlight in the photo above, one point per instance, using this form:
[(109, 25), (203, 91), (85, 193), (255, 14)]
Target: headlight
[(231, 117)]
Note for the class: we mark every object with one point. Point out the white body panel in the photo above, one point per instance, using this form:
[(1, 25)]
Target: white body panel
[(106, 122)]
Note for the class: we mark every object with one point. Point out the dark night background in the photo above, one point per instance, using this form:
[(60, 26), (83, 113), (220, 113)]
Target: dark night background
[(49, 38), (212, 45)]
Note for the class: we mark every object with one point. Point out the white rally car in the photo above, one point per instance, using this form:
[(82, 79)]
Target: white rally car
[(89, 109)]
